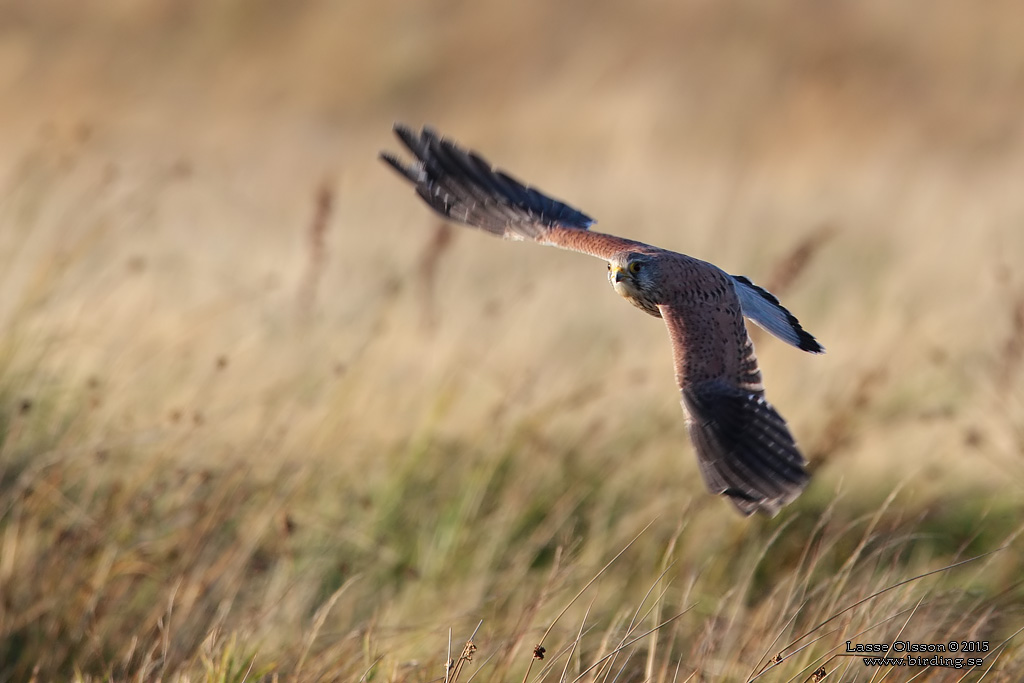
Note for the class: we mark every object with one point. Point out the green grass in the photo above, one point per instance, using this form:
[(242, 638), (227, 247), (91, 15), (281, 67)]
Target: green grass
[(197, 571)]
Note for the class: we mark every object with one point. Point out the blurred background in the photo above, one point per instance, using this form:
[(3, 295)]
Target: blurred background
[(260, 408)]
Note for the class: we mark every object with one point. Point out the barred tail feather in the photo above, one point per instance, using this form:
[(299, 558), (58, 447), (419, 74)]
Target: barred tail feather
[(764, 308)]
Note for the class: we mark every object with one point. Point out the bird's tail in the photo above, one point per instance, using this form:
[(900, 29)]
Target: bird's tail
[(764, 308)]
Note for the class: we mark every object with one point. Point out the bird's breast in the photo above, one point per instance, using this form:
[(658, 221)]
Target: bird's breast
[(627, 291)]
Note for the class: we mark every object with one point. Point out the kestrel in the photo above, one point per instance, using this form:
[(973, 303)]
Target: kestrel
[(744, 448)]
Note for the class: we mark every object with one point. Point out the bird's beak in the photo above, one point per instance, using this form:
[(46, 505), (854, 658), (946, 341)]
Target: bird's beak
[(619, 273)]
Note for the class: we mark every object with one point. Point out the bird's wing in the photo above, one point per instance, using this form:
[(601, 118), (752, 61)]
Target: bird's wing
[(464, 187), (744, 448)]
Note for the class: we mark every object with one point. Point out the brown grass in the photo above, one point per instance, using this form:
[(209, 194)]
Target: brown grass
[(324, 206), (237, 443), (1013, 348), (430, 262)]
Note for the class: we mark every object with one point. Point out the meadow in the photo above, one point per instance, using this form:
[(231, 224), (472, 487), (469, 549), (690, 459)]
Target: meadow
[(264, 417)]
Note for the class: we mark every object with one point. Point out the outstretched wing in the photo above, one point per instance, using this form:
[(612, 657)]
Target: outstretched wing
[(744, 448), (464, 187)]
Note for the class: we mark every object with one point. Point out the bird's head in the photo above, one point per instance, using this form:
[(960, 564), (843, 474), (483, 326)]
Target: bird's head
[(632, 275)]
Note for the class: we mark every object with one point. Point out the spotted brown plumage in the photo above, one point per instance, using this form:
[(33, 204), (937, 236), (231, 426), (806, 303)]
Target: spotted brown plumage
[(744, 448)]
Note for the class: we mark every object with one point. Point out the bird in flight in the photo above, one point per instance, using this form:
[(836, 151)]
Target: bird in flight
[(744, 448)]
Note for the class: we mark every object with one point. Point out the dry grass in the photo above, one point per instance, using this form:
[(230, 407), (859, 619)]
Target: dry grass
[(250, 436)]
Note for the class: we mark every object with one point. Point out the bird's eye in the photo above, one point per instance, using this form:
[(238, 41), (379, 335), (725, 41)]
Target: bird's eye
[(634, 267), (609, 266)]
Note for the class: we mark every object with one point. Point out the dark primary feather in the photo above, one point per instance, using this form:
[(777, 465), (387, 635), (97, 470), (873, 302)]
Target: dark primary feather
[(743, 446), (463, 186)]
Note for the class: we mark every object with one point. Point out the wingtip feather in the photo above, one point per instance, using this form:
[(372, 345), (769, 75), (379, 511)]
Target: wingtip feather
[(463, 186), (409, 172), (744, 448)]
